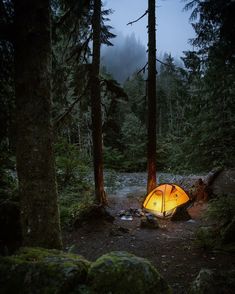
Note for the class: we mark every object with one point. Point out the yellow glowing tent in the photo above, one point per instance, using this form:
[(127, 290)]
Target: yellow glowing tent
[(164, 200)]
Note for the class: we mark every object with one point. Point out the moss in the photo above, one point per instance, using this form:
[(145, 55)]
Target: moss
[(121, 272), (213, 282), (36, 270), (41, 271)]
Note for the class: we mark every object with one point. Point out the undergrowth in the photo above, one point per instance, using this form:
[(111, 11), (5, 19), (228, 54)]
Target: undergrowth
[(220, 217)]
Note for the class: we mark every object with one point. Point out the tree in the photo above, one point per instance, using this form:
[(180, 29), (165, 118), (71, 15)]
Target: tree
[(151, 152), (35, 159), (96, 106), (213, 89)]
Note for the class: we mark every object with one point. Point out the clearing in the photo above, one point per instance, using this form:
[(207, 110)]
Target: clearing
[(172, 248)]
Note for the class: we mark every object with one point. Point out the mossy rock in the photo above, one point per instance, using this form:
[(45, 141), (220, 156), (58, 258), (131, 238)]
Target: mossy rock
[(41, 271), (211, 282), (121, 272)]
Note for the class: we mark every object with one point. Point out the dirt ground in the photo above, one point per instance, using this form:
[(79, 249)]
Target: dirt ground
[(171, 248)]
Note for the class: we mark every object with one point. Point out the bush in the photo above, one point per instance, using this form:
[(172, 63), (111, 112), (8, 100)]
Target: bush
[(75, 189), (72, 164), (113, 158), (72, 200), (221, 209)]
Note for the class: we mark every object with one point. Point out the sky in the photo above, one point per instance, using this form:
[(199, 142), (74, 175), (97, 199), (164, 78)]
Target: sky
[(173, 26)]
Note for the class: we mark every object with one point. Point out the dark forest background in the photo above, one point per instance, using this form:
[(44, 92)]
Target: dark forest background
[(195, 97)]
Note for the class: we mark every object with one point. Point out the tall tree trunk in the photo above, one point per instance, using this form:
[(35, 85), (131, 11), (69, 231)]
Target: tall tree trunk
[(35, 157), (151, 156), (96, 107)]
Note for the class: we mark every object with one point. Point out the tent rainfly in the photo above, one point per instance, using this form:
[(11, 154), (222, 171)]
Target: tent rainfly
[(164, 200)]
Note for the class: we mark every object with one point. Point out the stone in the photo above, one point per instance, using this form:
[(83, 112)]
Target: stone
[(149, 221), (118, 231), (223, 183), (213, 282), (122, 272), (41, 271)]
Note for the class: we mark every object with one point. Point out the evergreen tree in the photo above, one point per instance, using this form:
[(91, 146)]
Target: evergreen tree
[(96, 106), (212, 89), (35, 159), (151, 153)]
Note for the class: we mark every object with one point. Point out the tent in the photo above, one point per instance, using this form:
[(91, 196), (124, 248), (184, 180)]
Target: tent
[(164, 200)]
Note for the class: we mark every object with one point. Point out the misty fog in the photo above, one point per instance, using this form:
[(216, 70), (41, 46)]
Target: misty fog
[(126, 56)]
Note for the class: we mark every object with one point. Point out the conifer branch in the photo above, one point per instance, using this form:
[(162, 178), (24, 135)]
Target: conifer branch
[(61, 117), (131, 22), (143, 68)]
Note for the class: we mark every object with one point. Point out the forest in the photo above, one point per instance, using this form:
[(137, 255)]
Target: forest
[(91, 124)]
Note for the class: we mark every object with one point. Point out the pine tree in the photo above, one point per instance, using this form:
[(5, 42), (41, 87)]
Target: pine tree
[(96, 106), (151, 156), (35, 160)]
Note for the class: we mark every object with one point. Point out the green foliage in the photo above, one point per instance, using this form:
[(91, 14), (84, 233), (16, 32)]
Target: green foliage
[(113, 158), (76, 191), (134, 142), (110, 181), (72, 164), (221, 209), (206, 238), (211, 86), (73, 199), (79, 211)]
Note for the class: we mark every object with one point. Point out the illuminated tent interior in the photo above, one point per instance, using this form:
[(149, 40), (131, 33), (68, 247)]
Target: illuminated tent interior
[(164, 200)]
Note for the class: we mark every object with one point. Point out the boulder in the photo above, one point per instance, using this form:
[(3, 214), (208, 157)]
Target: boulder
[(149, 221), (213, 282), (223, 183), (41, 271), (121, 272)]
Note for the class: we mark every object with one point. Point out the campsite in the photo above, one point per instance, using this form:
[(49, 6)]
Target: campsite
[(172, 247), (117, 147)]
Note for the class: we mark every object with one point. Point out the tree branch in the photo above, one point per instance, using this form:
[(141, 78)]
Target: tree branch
[(61, 117), (162, 62), (131, 22), (64, 17), (143, 68)]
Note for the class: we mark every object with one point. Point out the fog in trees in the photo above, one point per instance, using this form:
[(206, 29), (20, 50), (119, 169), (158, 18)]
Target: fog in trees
[(126, 56)]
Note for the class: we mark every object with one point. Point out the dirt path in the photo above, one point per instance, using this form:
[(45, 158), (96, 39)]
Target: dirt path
[(171, 248)]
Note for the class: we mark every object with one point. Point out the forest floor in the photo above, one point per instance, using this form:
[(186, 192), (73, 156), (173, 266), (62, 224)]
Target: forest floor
[(172, 248)]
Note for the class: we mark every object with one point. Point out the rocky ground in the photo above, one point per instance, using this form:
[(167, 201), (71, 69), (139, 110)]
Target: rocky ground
[(172, 248)]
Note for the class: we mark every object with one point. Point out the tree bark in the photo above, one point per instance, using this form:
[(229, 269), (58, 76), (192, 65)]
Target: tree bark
[(96, 107), (35, 156), (151, 152)]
